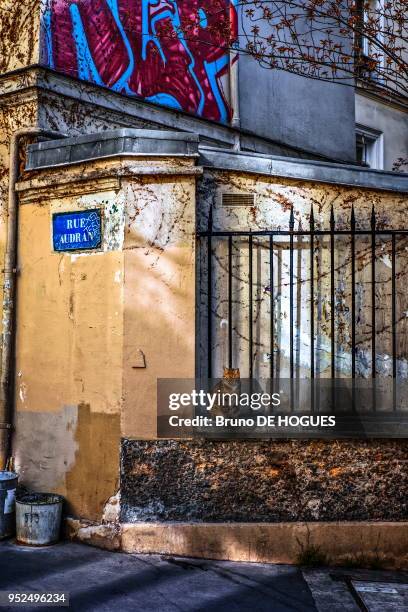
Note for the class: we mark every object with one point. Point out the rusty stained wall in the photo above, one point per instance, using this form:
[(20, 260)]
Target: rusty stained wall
[(19, 34), (73, 117), (271, 210), (62, 460), (12, 117), (270, 481), (23, 105), (159, 318), (139, 412), (69, 349)]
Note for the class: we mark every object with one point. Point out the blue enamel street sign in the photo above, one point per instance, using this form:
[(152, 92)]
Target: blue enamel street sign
[(79, 230)]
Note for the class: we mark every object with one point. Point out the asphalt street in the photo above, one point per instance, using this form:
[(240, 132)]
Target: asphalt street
[(100, 580)]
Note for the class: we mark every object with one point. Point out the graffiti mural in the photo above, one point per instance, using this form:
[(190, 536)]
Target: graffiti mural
[(171, 52)]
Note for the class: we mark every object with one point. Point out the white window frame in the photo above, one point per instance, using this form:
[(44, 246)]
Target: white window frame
[(375, 148)]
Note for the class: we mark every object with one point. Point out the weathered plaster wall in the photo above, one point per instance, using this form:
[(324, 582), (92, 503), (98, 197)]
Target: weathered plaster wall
[(96, 329), (69, 349), (19, 34), (249, 481), (23, 104), (75, 118), (274, 198), (12, 117), (83, 436), (159, 323), (158, 327)]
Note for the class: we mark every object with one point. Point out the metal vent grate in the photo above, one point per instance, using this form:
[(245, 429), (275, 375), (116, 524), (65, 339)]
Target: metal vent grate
[(238, 199)]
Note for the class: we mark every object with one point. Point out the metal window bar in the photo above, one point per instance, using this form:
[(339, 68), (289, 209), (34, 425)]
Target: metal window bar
[(353, 302), (312, 333), (271, 310), (230, 302), (394, 319), (250, 314), (234, 238), (332, 304), (209, 293), (373, 317), (291, 228)]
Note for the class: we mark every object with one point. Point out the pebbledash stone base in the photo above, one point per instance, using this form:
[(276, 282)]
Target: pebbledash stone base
[(263, 481)]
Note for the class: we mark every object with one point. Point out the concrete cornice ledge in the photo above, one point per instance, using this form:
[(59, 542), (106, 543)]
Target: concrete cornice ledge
[(112, 143), (304, 170)]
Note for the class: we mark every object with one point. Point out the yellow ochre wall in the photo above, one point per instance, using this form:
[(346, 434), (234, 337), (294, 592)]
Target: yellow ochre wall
[(95, 329), (159, 316)]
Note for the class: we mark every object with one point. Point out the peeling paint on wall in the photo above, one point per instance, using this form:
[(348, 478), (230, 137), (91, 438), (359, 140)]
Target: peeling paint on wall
[(46, 447), (113, 207), (274, 199), (97, 436), (62, 451)]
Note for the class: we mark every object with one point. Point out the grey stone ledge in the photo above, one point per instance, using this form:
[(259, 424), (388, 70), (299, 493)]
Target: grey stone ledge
[(112, 143), (305, 170)]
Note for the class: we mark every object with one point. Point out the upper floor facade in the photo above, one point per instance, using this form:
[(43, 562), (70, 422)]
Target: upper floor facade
[(140, 51)]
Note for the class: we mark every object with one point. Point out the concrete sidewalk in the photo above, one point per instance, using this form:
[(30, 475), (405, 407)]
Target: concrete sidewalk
[(100, 580)]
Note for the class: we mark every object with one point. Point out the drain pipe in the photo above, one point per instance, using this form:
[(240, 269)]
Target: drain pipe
[(234, 86), (234, 96), (9, 291)]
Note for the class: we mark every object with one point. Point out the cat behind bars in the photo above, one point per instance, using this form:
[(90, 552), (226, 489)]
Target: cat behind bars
[(229, 384)]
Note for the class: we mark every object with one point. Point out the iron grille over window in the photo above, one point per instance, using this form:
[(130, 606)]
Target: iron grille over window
[(306, 302)]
